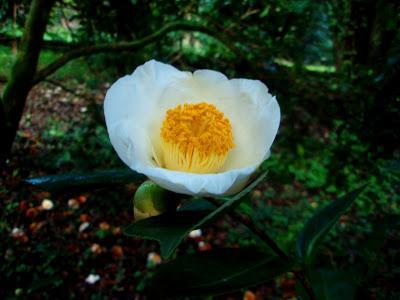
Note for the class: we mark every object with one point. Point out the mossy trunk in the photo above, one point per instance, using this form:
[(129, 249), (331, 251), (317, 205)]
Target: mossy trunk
[(21, 77)]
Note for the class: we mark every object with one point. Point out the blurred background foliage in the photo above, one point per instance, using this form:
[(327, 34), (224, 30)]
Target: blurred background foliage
[(335, 68)]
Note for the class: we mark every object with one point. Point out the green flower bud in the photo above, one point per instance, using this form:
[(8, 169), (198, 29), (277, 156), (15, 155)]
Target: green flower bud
[(151, 200), (18, 292)]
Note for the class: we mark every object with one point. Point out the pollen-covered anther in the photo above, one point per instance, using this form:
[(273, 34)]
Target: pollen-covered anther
[(195, 138)]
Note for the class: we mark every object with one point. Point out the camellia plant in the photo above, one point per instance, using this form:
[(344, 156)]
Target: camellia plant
[(200, 138)]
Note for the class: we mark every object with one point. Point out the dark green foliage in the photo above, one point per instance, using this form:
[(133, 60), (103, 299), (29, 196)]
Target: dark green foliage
[(216, 272), (83, 142), (320, 224), (331, 285), (85, 181), (334, 285), (170, 229)]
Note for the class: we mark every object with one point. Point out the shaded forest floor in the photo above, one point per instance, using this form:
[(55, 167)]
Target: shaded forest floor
[(48, 251)]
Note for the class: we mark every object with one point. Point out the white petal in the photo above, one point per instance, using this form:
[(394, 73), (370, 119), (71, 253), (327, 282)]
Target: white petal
[(226, 183), (47, 204), (130, 107), (210, 76), (92, 278), (255, 123), (195, 233)]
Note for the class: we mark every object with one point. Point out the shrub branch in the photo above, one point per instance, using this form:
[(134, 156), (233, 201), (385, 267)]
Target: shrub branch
[(127, 46)]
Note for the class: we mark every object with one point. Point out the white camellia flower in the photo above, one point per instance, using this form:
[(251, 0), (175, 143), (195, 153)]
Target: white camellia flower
[(192, 133)]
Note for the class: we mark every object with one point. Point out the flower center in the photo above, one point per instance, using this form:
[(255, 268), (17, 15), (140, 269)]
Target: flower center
[(195, 138)]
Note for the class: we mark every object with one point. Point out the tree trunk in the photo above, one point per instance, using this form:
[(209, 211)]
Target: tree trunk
[(20, 80)]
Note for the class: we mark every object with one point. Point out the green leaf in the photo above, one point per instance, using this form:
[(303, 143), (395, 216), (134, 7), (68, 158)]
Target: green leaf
[(216, 272), (245, 208), (320, 224), (232, 202), (393, 165), (167, 229), (197, 204), (170, 229), (41, 284), (80, 181), (333, 285), (301, 293)]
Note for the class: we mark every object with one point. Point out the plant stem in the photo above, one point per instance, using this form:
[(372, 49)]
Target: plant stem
[(246, 221), (306, 285), (260, 233)]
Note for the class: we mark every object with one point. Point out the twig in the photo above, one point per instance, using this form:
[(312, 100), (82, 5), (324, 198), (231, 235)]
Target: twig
[(53, 44), (129, 46), (67, 89), (246, 221), (260, 233), (271, 243)]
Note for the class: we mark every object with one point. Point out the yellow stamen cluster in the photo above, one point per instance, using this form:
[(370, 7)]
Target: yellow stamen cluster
[(195, 138)]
